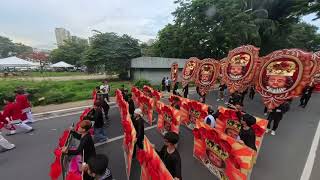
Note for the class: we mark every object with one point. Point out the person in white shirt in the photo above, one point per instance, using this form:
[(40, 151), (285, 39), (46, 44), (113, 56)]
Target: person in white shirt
[(210, 119), (105, 88)]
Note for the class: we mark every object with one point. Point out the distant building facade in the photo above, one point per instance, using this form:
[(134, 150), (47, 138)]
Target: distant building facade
[(62, 35), (79, 40), (154, 68)]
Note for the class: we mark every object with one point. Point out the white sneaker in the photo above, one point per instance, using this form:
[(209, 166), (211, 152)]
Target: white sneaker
[(265, 114), (12, 132), (273, 133), (218, 99), (268, 130)]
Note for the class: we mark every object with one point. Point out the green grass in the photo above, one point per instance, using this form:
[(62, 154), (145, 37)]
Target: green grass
[(54, 74), (55, 92)]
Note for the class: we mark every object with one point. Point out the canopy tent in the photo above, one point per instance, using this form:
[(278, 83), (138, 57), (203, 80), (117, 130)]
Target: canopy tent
[(61, 64), (15, 62)]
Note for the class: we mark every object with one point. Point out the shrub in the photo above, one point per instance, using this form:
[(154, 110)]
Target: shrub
[(140, 83), (123, 76)]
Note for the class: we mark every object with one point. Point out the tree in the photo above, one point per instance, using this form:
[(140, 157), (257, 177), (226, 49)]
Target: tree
[(210, 28), (8, 48), (71, 52), (112, 51)]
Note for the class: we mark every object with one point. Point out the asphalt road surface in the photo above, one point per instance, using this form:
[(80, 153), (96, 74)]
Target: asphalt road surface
[(281, 157)]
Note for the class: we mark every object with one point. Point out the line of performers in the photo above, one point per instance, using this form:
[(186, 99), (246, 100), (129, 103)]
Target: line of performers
[(15, 115)]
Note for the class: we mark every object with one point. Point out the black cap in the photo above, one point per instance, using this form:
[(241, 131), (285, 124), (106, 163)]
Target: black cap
[(250, 120), (172, 137)]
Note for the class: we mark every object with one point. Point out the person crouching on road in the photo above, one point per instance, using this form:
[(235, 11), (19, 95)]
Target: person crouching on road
[(138, 124), (4, 144), (170, 155), (99, 132), (211, 118), (25, 106), (86, 146), (97, 167), (12, 112)]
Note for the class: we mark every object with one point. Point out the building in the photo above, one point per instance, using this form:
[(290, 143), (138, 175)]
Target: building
[(62, 35), (154, 68)]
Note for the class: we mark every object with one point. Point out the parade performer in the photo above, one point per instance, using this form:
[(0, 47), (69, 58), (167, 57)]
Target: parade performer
[(4, 144), (12, 112), (247, 134), (25, 106), (138, 124), (170, 155), (105, 88), (99, 132), (252, 92), (222, 88), (185, 91), (131, 105), (276, 116), (211, 118), (307, 91), (163, 84), (175, 88), (86, 146), (97, 167)]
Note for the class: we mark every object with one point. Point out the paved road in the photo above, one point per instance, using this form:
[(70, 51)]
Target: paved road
[(281, 157)]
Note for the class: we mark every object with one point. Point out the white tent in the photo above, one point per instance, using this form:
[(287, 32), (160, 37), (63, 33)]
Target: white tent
[(61, 64), (15, 62)]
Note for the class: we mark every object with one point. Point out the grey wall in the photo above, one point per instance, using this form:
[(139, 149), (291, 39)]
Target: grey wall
[(153, 75), (156, 62)]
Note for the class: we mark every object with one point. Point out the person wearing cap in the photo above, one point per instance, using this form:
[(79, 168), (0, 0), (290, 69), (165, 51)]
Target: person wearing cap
[(247, 135), (138, 124), (97, 167), (86, 146), (210, 119), (170, 155)]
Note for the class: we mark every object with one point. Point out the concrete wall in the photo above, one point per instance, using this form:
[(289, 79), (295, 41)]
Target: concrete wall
[(153, 75), (156, 62)]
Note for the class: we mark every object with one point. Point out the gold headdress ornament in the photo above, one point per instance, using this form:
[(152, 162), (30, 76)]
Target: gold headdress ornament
[(206, 70), (233, 124), (240, 60), (281, 68), (217, 149), (191, 65)]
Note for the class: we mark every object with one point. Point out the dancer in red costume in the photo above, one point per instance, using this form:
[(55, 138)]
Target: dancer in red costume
[(4, 144), (25, 106)]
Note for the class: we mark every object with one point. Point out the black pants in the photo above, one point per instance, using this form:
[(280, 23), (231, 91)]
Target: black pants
[(276, 122), (251, 95), (304, 100), (185, 94), (163, 87), (106, 96), (168, 88), (265, 110)]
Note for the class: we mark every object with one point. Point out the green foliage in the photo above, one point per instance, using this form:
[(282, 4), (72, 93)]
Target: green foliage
[(8, 48), (210, 28), (112, 51), (71, 52), (140, 83), (55, 92)]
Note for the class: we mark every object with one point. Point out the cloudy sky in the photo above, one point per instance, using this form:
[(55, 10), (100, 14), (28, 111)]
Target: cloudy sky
[(33, 21)]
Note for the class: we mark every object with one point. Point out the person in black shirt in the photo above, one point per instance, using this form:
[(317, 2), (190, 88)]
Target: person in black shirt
[(247, 135), (307, 91), (138, 124), (252, 92), (97, 167), (185, 91), (243, 95), (170, 155), (222, 87), (131, 105), (99, 132), (275, 115), (86, 147), (163, 84), (175, 88)]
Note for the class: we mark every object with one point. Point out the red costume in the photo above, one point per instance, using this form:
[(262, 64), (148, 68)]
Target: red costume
[(12, 111), (24, 104)]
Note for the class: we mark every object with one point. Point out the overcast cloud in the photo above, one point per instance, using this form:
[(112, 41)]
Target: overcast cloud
[(33, 21)]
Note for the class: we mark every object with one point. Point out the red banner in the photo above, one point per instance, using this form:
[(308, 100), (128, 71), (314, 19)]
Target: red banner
[(207, 74), (189, 70), (152, 168), (174, 72), (147, 105), (196, 112), (168, 120), (222, 155)]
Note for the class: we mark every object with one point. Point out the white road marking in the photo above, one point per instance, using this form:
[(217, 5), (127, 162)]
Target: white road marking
[(120, 137), (312, 155)]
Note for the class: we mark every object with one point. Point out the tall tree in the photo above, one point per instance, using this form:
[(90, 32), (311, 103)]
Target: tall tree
[(112, 51), (8, 48), (71, 52)]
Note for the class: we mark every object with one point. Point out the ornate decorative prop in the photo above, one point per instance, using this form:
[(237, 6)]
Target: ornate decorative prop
[(180, 104), (239, 71), (283, 75), (207, 74), (174, 72), (196, 112), (168, 120), (146, 105), (222, 155), (151, 165), (316, 74), (189, 70)]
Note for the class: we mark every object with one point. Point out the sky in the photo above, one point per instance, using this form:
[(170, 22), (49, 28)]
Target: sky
[(32, 22)]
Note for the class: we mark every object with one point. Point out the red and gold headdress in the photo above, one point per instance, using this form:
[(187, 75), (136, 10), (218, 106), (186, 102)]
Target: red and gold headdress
[(240, 60), (281, 68)]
